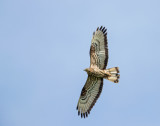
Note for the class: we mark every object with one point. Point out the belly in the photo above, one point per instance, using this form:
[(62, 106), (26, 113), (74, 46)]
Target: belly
[(97, 73)]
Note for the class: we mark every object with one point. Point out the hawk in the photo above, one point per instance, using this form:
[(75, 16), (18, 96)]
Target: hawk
[(96, 72)]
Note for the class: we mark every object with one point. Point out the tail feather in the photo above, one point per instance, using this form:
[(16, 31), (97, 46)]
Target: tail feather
[(113, 70), (113, 74)]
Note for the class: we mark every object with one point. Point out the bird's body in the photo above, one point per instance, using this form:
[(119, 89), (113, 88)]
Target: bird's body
[(96, 72), (107, 74)]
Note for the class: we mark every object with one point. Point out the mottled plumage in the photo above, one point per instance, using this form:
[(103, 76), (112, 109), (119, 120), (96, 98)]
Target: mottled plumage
[(97, 71)]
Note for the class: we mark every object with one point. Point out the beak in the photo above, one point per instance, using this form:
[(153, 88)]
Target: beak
[(85, 70)]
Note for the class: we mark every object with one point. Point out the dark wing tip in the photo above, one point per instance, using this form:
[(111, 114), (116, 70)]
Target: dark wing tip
[(84, 115), (104, 32), (103, 29), (97, 29)]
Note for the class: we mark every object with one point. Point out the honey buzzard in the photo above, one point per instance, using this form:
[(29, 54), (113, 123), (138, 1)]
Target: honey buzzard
[(96, 72)]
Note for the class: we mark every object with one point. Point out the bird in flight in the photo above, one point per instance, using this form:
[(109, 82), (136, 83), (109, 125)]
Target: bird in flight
[(96, 72)]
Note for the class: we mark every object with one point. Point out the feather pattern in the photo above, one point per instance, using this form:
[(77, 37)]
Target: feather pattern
[(89, 95), (99, 49)]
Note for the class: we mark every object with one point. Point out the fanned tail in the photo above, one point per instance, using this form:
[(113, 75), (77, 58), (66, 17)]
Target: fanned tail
[(113, 74)]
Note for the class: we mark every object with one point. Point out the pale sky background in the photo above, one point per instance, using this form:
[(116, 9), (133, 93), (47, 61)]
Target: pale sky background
[(44, 47)]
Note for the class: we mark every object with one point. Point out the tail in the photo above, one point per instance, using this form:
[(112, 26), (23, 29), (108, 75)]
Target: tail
[(113, 74)]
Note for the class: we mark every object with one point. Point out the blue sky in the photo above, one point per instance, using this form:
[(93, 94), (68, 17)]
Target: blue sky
[(44, 47)]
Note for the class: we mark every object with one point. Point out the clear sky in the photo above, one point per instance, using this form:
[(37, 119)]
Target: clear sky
[(44, 48)]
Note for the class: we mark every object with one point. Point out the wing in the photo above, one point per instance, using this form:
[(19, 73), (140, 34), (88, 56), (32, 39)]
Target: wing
[(89, 95), (99, 49)]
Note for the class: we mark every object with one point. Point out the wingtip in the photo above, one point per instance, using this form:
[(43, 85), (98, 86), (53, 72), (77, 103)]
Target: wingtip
[(101, 27), (97, 29), (84, 115)]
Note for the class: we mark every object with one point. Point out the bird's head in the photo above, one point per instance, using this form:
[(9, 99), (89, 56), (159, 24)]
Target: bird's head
[(87, 70)]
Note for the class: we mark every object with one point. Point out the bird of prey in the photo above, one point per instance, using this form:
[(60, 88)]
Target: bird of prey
[(96, 72)]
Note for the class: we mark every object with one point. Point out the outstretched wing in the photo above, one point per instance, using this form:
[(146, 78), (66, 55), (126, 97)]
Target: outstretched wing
[(89, 95), (99, 49)]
